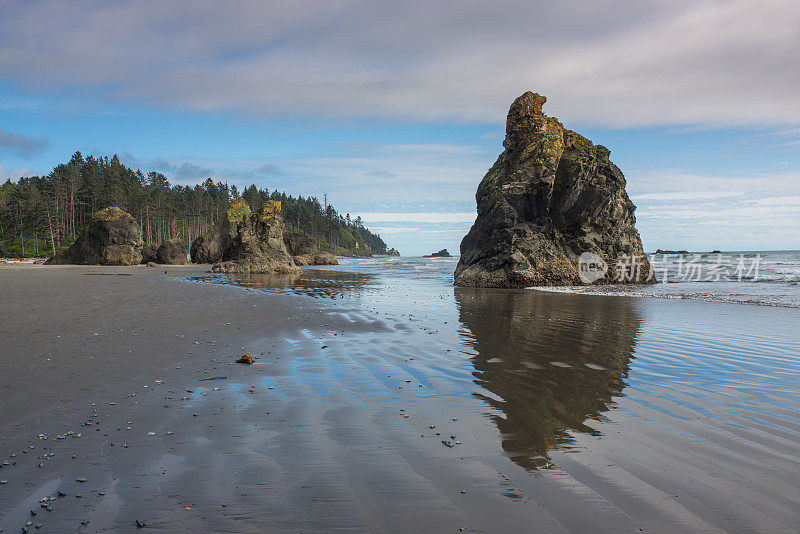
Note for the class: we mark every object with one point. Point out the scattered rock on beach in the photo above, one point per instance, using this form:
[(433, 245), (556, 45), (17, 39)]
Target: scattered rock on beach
[(245, 359)]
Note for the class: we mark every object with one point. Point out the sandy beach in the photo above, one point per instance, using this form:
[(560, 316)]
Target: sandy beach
[(380, 405)]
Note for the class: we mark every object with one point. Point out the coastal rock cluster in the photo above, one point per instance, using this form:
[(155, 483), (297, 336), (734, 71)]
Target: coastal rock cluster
[(246, 242), (112, 237), (551, 196)]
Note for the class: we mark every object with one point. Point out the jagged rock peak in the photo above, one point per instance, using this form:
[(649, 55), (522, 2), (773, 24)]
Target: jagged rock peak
[(551, 196), (524, 114)]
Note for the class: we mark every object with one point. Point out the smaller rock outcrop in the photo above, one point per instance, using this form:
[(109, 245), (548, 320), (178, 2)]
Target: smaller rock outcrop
[(172, 252), (112, 237), (304, 251), (149, 253), (659, 251), (441, 254), (392, 252), (298, 244), (320, 258)]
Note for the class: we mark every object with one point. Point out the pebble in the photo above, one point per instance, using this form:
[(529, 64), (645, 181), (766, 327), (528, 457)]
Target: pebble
[(80, 479)]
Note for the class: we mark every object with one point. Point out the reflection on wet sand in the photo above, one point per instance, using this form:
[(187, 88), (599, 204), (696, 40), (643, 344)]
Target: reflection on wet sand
[(316, 283), (553, 361)]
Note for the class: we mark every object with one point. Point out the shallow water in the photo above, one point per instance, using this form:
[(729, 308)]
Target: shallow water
[(384, 399), (549, 366), (767, 278)]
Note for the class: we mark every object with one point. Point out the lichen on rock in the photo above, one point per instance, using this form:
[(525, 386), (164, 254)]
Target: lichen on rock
[(551, 196)]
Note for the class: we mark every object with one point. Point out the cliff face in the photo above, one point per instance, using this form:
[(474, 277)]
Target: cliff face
[(550, 197)]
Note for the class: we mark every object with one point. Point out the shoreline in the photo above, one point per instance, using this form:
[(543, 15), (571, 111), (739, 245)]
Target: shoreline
[(335, 425)]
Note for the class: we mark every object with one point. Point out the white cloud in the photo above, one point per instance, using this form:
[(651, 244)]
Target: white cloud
[(610, 62)]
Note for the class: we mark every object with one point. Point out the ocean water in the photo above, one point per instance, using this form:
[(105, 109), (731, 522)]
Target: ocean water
[(766, 278), (680, 408)]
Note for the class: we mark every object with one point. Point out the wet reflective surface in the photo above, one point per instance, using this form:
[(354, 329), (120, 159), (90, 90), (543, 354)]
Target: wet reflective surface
[(384, 399), (551, 363)]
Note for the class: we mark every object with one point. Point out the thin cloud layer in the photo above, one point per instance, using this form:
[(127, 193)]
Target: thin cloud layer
[(20, 145), (608, 62)]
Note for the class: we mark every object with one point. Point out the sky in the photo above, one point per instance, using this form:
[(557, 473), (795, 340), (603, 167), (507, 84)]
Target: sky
[(397, 109)]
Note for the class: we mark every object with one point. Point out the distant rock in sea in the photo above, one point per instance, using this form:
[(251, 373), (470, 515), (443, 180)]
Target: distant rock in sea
[(716, 252), (246, 242), (659, 251), (112, 237), (550, 197), (441, 254), (392, 252)]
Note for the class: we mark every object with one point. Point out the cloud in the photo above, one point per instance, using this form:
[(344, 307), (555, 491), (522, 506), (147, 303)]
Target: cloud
[(20, 145), (13, 173), (747, 211), (607, 62)]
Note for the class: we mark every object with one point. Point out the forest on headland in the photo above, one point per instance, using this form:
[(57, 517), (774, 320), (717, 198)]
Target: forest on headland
[(41, 215)]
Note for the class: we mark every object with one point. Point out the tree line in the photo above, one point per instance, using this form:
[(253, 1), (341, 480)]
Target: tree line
[(40, 215)]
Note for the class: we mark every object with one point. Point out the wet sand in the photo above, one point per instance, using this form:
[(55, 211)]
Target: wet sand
[(422, 409)]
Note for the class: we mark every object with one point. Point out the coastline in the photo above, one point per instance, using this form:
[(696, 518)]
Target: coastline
[(575, 421)]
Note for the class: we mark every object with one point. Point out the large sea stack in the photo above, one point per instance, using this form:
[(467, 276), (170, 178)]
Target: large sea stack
[(112, 237), (551, 197), (246, 242)]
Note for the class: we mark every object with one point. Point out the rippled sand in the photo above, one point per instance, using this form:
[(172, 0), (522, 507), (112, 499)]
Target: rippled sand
[(390, 403)]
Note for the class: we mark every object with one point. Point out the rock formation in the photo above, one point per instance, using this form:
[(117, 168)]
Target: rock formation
[(298, 244), (246, 242), (149, 253), (441, 254), (550, 197), (392, 252), (304, 251), (318, 258), (112, 237), (172, 252)]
